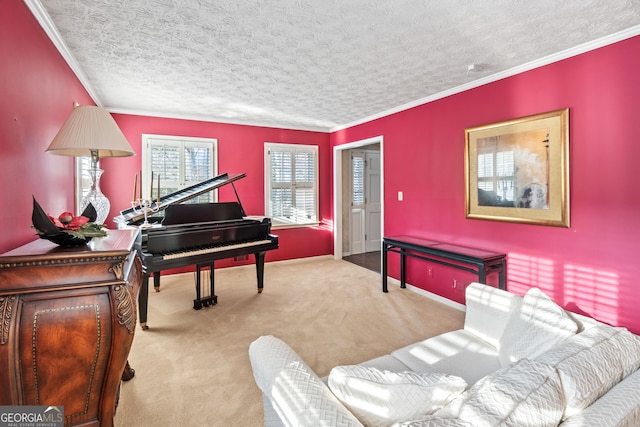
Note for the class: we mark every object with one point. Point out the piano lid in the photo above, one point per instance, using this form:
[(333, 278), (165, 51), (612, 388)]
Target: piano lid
[(132, 215)]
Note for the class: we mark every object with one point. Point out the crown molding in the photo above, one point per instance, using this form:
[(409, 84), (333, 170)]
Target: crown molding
[(41, 15), (210, 119), (36, 8), (559, 56)]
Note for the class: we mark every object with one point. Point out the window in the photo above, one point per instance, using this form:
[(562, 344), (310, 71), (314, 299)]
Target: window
[(291, 180), (177, 162), (83, 180), (357, 167)]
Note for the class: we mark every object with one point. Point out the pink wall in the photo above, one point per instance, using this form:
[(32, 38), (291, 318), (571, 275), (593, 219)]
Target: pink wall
[(591, 266), (37, 91), (240, 149)]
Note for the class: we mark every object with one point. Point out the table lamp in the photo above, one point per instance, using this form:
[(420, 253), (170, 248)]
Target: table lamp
[(90, 131)]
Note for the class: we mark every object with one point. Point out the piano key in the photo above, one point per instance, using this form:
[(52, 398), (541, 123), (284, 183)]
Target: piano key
[(209, 250)]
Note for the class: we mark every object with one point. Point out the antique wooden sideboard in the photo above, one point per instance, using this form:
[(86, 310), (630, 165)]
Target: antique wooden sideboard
[(68, 316)]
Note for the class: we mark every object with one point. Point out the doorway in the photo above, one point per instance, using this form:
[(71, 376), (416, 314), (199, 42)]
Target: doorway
[(364, 217), (358, 207)]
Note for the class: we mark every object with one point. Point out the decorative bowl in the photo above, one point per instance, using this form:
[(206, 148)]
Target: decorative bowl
[(62, 234), (64, 239)]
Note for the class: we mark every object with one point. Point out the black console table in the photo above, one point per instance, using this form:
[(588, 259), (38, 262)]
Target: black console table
[(477, 261)]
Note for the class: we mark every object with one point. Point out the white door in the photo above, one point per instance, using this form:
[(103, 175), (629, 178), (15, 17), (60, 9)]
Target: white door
[(365, 201), (373, 205)]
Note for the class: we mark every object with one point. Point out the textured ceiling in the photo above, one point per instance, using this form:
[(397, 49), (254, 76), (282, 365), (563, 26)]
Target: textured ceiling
[(312, 64)]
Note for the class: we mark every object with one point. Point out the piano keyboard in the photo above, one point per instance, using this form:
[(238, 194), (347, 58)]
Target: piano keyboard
[(177, 255)]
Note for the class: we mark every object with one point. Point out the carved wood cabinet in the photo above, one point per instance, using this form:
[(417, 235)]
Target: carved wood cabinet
[(67, 325)]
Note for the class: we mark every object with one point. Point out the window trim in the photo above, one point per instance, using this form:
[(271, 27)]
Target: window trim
[(268, 146)]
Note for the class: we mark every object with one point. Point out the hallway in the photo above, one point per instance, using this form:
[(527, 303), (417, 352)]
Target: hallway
[(368, 260)]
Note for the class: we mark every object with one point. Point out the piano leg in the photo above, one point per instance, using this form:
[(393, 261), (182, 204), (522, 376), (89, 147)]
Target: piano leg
[(143, 299), (212, 289), (156, 281), (260, 270)]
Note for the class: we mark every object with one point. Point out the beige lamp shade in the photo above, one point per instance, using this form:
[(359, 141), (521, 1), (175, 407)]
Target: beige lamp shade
[(90, 130)]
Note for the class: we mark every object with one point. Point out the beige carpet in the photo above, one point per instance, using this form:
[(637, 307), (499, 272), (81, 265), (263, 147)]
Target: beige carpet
[(192, 366)]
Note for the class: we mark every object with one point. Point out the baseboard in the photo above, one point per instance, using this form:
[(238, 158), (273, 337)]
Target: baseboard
[(430, 295), (305, 259)]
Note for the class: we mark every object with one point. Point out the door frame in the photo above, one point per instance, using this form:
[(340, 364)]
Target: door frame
[(338, 198)]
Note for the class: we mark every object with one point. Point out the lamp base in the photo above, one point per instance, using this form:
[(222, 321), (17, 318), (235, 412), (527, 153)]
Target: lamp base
[(95, 197)]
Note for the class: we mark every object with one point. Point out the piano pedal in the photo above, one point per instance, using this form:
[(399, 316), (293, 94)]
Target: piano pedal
[(205, 302)]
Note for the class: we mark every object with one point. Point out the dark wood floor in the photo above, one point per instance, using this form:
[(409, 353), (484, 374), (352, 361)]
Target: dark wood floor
[(369, 260)]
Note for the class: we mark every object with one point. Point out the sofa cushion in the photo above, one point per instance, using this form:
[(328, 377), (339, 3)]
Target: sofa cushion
[(386, 362), (536, 326), (526, 393), (618, 407), (460, 353), (488, 310), (380, 398), (592, 362), (434, 421)]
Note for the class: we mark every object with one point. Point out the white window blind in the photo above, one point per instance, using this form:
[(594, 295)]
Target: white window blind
[(179, 162), (291, 180), (357, 165)]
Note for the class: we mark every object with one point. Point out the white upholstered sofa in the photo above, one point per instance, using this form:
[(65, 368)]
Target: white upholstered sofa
[(518, 361)]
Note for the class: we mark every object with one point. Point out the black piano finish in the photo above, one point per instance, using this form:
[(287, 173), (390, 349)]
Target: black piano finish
[(202, 212), (133, 216), (198, 234)]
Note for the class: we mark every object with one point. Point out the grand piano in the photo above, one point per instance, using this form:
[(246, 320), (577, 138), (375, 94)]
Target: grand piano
[(196, 234)]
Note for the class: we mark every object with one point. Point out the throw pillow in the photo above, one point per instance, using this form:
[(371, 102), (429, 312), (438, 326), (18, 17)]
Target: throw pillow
[(592, 362), (380, 398), (525, 394), (536, 326)]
